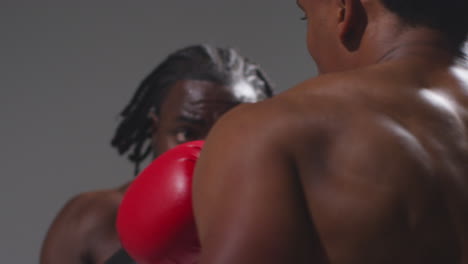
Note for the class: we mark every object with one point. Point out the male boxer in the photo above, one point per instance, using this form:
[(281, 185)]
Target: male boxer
[(178, 102), (367, 163)]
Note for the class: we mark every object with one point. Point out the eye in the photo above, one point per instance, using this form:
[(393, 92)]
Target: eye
[(183, 135)]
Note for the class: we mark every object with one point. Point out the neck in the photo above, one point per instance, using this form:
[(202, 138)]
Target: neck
[(403, 42)]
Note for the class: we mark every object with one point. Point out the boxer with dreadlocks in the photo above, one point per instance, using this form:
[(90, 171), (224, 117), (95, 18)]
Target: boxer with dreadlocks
[(179, 101)]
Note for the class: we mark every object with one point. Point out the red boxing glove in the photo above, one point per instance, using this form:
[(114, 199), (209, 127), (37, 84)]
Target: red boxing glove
[(155, 219)]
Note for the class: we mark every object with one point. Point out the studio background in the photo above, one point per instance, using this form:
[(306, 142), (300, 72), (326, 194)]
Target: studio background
[(67, 68)]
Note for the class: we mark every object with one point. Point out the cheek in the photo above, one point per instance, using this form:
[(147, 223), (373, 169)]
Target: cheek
[(314, 40), (310, 41), (161, 143), (319, 44)]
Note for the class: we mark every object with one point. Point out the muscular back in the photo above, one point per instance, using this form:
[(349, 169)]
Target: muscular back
[(369, 166), (391, 182)]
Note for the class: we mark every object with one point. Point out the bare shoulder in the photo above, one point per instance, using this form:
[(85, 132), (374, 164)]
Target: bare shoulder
[(322, 149), (83, 218), (335, 114), (312, 107), (324, 105), (249, 178), (87, 206), (86, 211), (244, 167)]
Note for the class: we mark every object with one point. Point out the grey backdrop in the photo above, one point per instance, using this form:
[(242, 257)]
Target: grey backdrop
[(68, 67)]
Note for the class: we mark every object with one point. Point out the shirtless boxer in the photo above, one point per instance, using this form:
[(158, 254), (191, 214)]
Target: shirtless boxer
[(367, 163), (178, 102)]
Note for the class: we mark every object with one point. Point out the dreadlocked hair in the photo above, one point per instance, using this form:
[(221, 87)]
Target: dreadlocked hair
[(222, 66)]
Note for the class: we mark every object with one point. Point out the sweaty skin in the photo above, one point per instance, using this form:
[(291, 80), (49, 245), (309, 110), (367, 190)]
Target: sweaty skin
[(367, 163), (84, 231)]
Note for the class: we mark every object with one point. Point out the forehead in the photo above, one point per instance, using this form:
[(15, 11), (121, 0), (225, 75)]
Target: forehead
[(198, 97), (195, 91)]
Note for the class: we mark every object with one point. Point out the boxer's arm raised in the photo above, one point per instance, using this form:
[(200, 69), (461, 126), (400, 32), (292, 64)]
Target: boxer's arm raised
[(248, 202)]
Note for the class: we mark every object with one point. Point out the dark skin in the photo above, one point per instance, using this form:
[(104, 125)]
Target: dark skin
[(367, 163), (84, 231)]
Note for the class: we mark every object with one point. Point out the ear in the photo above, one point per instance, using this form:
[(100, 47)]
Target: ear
[(154, 121), (352, 19), (154, 129)]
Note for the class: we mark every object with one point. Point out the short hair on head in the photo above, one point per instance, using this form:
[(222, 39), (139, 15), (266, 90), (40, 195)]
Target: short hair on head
[(223, 66), (448, 16)]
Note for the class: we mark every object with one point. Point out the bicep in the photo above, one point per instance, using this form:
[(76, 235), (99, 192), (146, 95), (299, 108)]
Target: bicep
[(248, 202)]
